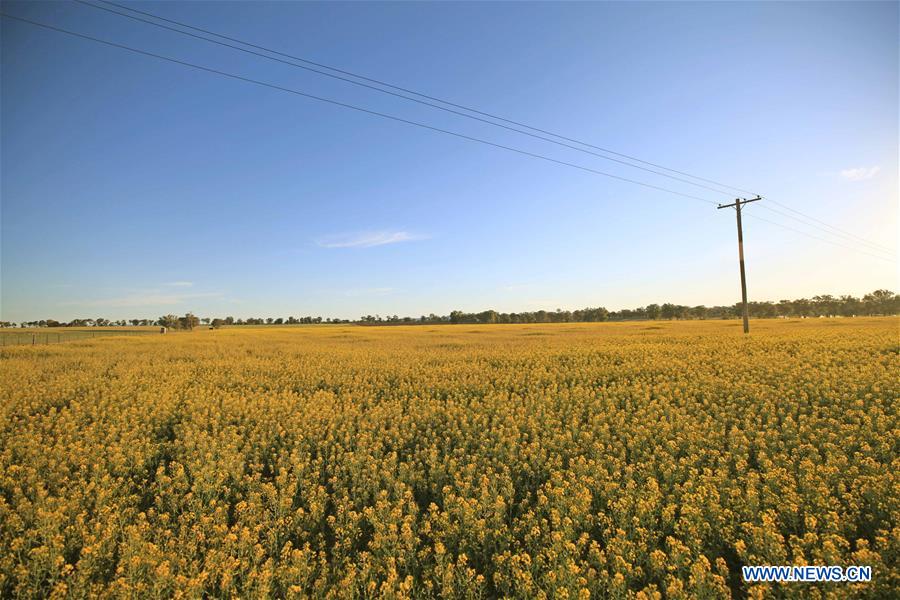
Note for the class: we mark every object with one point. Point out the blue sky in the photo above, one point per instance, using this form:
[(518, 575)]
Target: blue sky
[(133, 187)]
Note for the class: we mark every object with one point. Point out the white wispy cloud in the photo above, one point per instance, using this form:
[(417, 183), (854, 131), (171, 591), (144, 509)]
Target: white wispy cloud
[(368, 239), (180, 283), (140, 300), (860, 173)]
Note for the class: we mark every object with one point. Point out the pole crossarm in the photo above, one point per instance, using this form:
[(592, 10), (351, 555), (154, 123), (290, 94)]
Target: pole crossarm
[(739, 202)]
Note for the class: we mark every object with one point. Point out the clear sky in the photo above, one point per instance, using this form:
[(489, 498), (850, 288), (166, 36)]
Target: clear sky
[(133, 187)]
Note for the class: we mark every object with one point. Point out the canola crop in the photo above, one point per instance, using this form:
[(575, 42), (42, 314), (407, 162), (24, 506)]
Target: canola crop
[(640, 460)]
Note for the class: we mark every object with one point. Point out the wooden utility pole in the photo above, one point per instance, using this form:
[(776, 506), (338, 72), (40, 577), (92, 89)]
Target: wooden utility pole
[(738, 204)]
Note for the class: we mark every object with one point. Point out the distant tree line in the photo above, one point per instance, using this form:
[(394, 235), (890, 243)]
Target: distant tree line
[(188, 321), (879, 302)]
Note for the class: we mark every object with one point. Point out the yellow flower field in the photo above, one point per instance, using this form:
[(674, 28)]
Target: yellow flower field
[(613, 460)]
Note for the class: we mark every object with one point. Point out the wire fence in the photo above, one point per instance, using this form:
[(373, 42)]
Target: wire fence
[(41, 338)]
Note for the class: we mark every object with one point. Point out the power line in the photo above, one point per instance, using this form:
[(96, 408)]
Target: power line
[(752, 216), (846, 237), (356, 108), (397, 95), (830, 226), (421, 95), (456, 112), (418, 124), (415, 93)]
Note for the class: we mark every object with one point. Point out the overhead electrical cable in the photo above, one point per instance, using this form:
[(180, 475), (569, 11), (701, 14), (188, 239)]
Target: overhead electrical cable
[(847, 233), (355, 108), (398, 95), (857, 240), (815, 237), (846, 238), (385, 84), (421, 95)]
